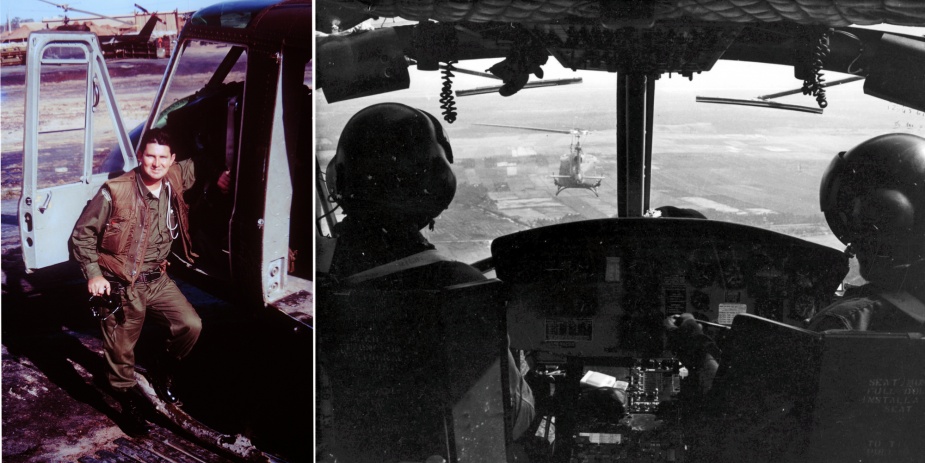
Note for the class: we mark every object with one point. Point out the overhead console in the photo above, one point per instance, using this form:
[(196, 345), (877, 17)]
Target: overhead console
[(602, 288)]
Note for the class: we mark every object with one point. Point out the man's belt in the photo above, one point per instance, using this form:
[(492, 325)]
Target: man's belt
[(145, 277), (149, 277)]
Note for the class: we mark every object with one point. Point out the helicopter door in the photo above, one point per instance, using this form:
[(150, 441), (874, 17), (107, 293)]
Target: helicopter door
[(71, 124)]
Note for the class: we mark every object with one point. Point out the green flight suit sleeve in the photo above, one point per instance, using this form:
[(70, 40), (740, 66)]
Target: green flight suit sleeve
[(87, 231)]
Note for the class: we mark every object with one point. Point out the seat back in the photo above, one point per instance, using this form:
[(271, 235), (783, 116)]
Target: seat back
[(758, 407), (788, 394), (762, 358), (870, 405), (414, 374)]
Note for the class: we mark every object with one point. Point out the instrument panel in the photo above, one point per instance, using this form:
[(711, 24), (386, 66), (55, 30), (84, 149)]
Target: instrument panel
[(602, 288)]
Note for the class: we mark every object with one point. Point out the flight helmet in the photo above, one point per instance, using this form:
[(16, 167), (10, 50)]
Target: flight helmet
[(873, 198), (392, 164)]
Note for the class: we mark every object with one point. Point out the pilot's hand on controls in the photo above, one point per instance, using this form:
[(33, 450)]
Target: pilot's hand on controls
[(98, 286), (671, 322), (683, 324), (694, 349), (224, 182)]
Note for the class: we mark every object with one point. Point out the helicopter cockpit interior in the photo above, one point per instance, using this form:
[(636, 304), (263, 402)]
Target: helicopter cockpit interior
[(601, 288), (584, 302), (588, 299)]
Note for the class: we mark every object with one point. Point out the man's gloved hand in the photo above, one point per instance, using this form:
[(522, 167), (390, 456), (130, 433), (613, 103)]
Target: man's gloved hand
[(516, 68)]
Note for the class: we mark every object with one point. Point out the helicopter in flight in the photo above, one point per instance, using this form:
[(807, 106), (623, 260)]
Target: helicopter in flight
[(591, 295), (572, 165)]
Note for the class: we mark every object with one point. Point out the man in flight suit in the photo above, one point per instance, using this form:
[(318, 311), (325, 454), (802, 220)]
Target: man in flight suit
[(121, 241), (873, 197), (392, 177)]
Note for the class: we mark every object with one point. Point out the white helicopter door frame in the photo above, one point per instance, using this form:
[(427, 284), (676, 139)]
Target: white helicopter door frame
[(56, 188)]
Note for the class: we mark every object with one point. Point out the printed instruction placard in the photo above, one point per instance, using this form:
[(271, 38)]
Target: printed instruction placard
[(728, 311)]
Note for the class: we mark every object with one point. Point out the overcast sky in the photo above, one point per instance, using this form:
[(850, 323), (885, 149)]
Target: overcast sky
[(39, 10)]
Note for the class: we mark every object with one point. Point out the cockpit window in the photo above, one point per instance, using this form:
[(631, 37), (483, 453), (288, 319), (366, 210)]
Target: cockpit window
[(230, 14), (745, 164), (760, 166), (201, 109), (203, 68), (61, 118)]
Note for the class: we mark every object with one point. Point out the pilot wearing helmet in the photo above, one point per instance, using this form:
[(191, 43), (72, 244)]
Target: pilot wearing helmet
[(391, 176), (873, 197)]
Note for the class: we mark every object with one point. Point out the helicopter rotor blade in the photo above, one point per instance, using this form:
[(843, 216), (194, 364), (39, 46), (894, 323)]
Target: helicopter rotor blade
[(537, 129), (101, 15), (66, 8), (59, 5)]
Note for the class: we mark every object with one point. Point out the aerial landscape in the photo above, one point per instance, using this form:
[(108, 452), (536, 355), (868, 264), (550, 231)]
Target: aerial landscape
[(748, 165)]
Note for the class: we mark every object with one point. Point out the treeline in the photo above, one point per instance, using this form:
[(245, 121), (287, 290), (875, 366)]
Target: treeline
[(14, 24), (784, 222)]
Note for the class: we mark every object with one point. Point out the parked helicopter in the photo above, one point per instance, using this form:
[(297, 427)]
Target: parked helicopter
[(571, 172), (589, 296), (115, 44), (236, 96)]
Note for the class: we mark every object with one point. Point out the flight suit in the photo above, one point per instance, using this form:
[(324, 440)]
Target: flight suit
[(894, 303), (124, 235), (364, 246), (863, 309)]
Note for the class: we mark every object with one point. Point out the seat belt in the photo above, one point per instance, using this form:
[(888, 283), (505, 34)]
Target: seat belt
[(229, 132), (907, 303), (413, 261), (230, 144)]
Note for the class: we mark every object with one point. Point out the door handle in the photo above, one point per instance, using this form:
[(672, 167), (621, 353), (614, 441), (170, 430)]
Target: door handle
[(45, 204)]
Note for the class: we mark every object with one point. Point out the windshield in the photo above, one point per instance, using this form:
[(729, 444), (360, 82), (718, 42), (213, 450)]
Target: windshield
[(744, 164), (200, 64)]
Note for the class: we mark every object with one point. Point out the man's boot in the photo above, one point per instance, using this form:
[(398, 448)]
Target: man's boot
[(162, 378), (133, 420)]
